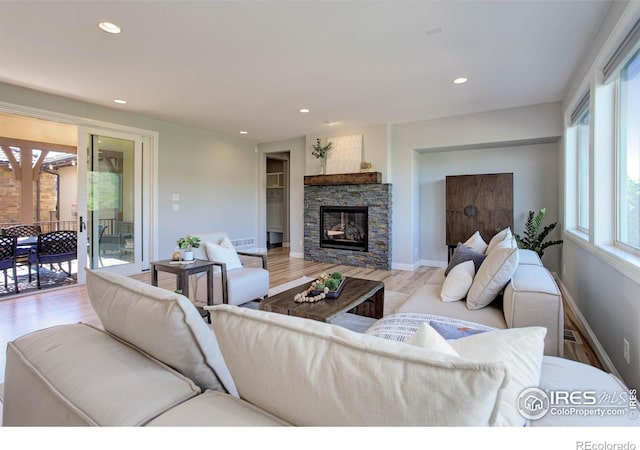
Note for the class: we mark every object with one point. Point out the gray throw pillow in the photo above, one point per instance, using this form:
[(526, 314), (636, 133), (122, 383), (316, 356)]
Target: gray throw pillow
[(462, 254)]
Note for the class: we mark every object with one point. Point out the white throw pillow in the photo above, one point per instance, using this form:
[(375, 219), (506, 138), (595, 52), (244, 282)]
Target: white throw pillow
[(521, 350), (428, 338), (476, 242), (456, 285), (161, 323), (500, 236), (493, 275), (224, 252)]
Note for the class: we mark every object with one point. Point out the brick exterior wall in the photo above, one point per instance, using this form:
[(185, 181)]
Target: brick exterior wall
[(377, 197), (10, 196)]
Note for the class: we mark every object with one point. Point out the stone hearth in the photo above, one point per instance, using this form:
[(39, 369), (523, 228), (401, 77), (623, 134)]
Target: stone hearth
[(376, 196)]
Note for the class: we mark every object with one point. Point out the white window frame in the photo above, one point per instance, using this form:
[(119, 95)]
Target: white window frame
[(624, 247), (579, 174)]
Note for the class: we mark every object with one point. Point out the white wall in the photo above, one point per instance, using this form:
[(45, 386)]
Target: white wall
[(491, 129), (374, 148), (535, 186), (217, 180)]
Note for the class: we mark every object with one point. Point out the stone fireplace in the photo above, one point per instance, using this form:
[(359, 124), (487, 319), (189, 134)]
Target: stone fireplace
[(347, 220), (344, 227)]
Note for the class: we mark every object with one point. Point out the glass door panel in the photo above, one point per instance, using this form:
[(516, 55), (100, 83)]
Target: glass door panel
[(111, 202), (110, 192)]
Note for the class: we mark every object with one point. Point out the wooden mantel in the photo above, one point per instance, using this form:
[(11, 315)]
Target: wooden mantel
[(343, 178)]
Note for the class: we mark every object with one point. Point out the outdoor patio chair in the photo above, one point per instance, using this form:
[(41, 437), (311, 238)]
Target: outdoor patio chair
[(8, 259), (55, 247), (23, 251)]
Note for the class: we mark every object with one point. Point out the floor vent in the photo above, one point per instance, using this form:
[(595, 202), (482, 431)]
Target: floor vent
[(569, 335), (243, 242)]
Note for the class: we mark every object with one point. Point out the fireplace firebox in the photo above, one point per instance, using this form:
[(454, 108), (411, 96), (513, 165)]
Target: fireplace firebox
[(344, 227)]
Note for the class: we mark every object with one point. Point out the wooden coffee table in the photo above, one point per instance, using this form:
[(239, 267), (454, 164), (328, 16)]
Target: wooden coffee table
[(362, 297)]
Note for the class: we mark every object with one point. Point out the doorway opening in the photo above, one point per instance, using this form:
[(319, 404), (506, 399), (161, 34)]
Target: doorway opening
[(277, 200)]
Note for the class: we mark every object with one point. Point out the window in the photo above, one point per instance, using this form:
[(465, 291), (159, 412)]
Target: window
[(580, 178), (628, 154), (582, 152)]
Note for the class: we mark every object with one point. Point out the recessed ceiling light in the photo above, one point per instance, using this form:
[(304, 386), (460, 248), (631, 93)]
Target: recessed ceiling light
[(329, 123), (304, 110), (460, 80), (109, 27), (120, 102), (433, 31), (243, 132)]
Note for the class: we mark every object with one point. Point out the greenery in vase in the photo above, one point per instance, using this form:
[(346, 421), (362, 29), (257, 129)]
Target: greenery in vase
[(319, 151), (533, 238), (188, 242)]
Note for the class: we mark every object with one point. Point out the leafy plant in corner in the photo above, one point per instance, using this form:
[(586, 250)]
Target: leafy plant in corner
[(188, 242), (533, 238), (319, 151)]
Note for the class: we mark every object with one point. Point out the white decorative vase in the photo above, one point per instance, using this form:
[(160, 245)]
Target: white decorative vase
[(187, 255)]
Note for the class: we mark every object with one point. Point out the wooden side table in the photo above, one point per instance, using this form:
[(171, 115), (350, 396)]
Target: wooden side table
[(182, 272)]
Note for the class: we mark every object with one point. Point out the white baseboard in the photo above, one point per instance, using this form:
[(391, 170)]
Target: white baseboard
[(296, 255), (433, 263), (422, 263), (586, 329), (406, 267)]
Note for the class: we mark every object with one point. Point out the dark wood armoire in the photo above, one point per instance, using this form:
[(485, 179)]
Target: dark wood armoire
[(478, 202)]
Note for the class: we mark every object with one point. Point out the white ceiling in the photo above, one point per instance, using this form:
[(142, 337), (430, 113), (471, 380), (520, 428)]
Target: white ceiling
[(239, 65)]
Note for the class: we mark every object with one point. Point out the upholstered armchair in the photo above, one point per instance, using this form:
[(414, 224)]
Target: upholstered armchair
[(234, 282)]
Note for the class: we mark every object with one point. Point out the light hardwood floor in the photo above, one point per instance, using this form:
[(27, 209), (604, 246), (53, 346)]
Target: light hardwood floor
[(24, 314)]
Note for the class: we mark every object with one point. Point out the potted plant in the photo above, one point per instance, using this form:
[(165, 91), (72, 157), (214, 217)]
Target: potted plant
[(533, 238), (321, 152), (187, 244)]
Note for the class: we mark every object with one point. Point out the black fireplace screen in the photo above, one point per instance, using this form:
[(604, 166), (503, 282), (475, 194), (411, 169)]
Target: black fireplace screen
[(344, 227)]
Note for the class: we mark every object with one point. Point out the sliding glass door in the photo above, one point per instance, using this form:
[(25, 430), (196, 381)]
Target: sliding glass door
[(111, 207)]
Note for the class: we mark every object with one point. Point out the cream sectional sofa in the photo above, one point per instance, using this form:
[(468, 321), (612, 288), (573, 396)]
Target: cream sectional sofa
[(531, 298), (157, 363)]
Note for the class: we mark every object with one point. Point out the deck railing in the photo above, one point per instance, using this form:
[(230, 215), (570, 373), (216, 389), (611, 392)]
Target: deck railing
[(57, 225)]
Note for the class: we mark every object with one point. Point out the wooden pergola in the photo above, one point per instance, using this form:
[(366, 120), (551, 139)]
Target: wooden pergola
[(27, 172)]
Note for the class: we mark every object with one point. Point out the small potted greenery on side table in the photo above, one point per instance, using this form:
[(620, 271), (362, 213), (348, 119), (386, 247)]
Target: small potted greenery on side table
[(187, 244)]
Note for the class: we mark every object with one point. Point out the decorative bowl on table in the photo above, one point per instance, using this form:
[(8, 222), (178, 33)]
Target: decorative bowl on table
[(325, 286)]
